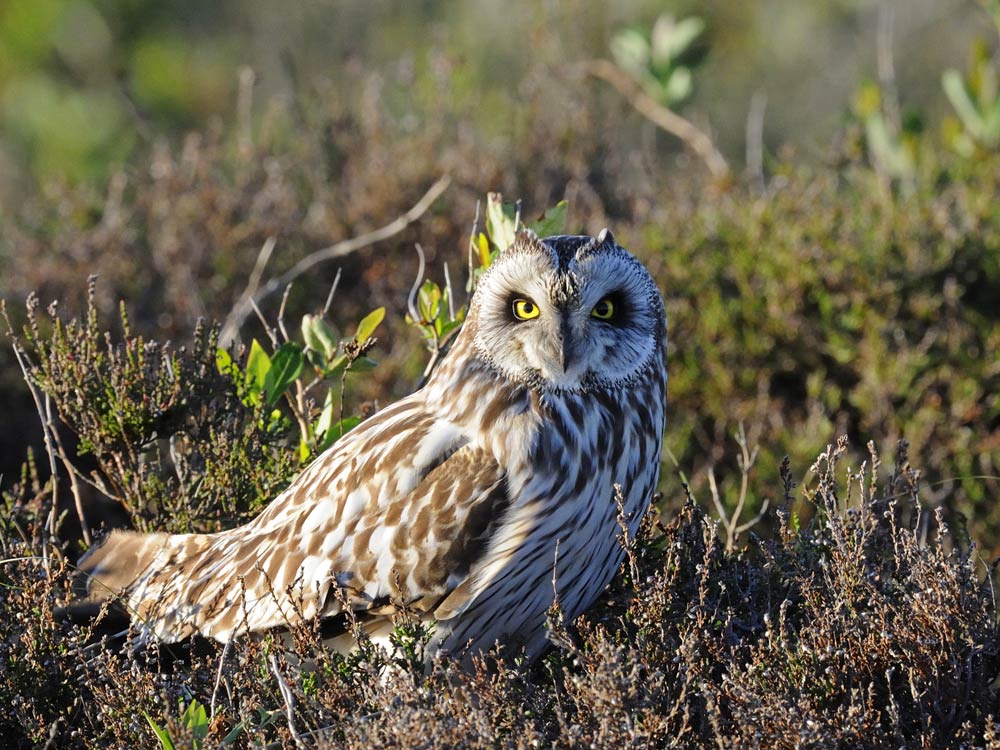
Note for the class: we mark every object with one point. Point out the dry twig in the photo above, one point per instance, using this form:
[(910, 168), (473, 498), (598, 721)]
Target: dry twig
[(731, 523), (339, 249), (664, 118)]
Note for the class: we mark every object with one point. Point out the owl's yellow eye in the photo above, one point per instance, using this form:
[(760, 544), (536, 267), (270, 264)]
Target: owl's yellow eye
[(525, 309), (604, 310)]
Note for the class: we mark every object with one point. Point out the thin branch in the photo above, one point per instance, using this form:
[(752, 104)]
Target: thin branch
[(887, 65), (713, 488), (755, 139), (244, 110), (731, 522), (664, 118), (337, 250), (411, 300), (473, 251), (218, 677), (289, 698), (333, 291), (71, 470), (756, 519), (427, 324), (746, 460), (20, 356), (626, 539), (297, 402), (447, 288), (230, 328), (555, 575), (281, 313), (272, 333)]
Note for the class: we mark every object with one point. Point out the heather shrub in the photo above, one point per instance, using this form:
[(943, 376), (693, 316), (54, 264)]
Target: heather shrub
[(862, 621), (867, 626), (830, 305)]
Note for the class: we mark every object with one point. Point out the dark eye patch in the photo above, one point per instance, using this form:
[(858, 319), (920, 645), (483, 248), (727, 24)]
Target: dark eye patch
[(512, 300), (622, 309)]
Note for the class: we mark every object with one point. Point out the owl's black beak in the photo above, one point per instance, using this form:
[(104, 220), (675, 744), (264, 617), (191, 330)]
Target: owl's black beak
[(568, 343)]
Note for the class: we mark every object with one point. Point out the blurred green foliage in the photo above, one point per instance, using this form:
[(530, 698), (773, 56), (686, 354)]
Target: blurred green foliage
[(79, 79), (831, 306), (662, 58), (84, 83), (893, 148), (976, 100)]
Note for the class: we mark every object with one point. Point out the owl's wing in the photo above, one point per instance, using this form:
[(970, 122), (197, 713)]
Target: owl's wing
[(396, 514), (418, 549)]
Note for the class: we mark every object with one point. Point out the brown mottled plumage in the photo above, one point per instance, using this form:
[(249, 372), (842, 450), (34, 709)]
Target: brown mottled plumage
[(468, 501)]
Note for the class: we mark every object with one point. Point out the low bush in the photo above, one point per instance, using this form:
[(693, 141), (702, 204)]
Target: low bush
[(867, 626), (832, 305)]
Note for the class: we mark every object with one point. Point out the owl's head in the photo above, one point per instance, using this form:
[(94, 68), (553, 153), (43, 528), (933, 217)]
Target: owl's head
[(568, 313)]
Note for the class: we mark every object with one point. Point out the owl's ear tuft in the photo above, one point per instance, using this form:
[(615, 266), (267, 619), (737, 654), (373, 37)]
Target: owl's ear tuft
[(526, 241)]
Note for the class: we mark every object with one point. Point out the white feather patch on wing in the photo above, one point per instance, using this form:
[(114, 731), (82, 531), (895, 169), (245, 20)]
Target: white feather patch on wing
[(443, 439), (320, 515)]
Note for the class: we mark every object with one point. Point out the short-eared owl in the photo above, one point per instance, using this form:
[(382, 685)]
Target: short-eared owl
[(471, 502)]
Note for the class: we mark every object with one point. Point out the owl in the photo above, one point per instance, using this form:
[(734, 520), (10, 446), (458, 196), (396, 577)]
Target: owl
[(473, 503)]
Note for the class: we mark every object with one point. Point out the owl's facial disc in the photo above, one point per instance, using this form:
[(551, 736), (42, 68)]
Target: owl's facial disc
[(568, 313), (543, 334)]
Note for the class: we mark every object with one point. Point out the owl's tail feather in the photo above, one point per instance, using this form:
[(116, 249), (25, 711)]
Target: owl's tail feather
[(105, 573), (138, 577), (119, 562), (174, 586)]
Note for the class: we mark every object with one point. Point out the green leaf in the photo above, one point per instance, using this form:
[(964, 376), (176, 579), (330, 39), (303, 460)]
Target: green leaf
[(887, 151), (336, 367), (230, 739), (275, 421), (336, 431), (678, 87), (325, 419), (429, 301), (316, 359), (318, 335), (553, 221), (286, 366), (368, 324), (501, 221), (345, 425), (224, 362), (670, 39), (258, 363), (363, 364), (630, 48), (447, 326), (867, 100), (483, 248), (965, 108), (195, 718), (161, 734)]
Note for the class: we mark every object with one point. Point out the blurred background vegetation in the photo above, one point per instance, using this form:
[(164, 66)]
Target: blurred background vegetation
[(87, 84), (844, 278)]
